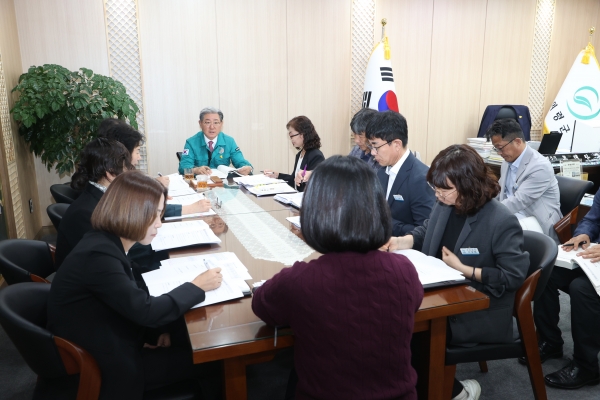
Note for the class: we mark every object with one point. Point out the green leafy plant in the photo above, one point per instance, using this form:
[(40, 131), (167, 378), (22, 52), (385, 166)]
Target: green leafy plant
[(58, 111)]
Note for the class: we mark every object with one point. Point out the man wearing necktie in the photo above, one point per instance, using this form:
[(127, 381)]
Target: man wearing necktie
[(210, 148), (528, 186)]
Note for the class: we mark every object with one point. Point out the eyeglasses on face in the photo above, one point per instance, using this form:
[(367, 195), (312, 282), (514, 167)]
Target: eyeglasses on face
[(499, 149), (291, 136), (439, 193), (376, 148)]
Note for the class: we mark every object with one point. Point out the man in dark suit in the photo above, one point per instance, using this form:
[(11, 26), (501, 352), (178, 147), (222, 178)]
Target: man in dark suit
[(585, 311), (403, 178)]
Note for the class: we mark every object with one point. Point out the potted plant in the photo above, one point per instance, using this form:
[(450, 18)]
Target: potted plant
[(58, 111)]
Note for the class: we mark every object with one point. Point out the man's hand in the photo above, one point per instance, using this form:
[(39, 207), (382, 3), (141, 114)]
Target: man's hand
[(577, 242), (592, 253), (198, 207), (164, 180), (245, 170), (209, 280), (202, 171), (398, 243)]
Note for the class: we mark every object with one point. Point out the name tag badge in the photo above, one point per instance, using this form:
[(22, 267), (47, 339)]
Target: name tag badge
[(469, 251), (398, 197)]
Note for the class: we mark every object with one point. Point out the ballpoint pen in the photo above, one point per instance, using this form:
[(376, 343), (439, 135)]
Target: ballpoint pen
[(159, 174), (573, 244)]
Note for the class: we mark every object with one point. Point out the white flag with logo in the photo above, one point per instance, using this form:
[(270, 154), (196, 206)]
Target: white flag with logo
[(380, 92), (578, 98)]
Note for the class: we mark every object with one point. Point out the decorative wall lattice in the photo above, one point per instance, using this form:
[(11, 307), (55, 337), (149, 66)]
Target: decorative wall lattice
[(122, 32), (544, 22), (9, 154), (363, 34)]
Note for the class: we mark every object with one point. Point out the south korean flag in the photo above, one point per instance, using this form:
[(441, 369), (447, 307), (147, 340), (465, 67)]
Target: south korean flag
[(380, 92)]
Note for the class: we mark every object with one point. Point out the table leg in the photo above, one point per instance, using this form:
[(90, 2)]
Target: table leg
[(234, 372), (437, 357)]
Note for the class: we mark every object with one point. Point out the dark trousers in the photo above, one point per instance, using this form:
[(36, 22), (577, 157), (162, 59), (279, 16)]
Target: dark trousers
[(585, 315)]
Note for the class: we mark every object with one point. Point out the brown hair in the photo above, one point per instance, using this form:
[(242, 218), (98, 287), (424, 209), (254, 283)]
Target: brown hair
[(464, 168), (304, 126), (129, 205)]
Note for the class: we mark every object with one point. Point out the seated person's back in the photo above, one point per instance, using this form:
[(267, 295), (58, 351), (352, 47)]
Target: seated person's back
[(352, 310)]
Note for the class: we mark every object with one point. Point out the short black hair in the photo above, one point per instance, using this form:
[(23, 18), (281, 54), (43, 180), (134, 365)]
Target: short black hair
[(361, 119), (100, 156), (388, 126), (507, 127), (344, 208), (121, 131)]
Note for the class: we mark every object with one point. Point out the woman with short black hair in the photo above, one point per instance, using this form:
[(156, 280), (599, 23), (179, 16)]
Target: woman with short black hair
[(352, 310), (305, 138), (475, 234), (94, 300)]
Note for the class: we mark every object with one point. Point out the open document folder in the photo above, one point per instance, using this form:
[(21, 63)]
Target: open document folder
[(432, 271), (176, 271), (179, 234)]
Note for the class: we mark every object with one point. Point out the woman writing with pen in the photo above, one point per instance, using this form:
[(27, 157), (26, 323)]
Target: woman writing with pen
[(304, 137)]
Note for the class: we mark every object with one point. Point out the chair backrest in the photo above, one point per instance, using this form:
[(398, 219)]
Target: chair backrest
[(542, 255), (21, 260), (56, 212), (178, 154), (63, 193), (571, 192), (23, 317)]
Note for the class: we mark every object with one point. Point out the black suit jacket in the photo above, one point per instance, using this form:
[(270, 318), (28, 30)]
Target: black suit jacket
[(76, 222), (417, 197), (95, 302), (312, 158)]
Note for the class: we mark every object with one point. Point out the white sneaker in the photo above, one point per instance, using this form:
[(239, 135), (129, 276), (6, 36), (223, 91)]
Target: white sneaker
[(472, 388)]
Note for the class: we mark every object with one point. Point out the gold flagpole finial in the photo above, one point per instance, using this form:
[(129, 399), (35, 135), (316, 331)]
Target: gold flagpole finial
[(589, 50), (383, 24), (592, 30)]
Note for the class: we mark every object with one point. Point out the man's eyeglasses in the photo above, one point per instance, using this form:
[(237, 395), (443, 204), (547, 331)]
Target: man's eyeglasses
[(438, 193), (375, 149), (499, 149)]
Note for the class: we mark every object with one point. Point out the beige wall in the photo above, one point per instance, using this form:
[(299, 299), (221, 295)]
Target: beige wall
[(265, 61), (11, 66)]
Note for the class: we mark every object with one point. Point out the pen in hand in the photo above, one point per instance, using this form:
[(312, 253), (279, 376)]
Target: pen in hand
[(304, 172), (159, 174), (573, 244)]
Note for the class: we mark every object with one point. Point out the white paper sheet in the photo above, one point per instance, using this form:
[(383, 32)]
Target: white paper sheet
[(295, 221), (430, 269), (186, 233)]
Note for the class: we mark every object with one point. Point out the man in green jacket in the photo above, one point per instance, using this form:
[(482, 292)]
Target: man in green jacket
[(210, 148)]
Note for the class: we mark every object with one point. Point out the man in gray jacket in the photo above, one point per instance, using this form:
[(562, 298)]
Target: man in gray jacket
[(528, 186)]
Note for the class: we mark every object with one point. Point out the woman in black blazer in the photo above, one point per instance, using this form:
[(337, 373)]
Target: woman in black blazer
[(95, 302), (304, 137)]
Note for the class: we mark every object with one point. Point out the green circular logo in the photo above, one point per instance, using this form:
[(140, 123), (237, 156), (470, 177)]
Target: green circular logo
[(586, 96)]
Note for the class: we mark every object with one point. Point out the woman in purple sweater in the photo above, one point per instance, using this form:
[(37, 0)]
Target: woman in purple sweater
[(352, 310)]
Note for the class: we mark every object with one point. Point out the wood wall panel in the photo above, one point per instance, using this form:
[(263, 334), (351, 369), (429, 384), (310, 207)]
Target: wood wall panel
[(409, 29), (180, 73), (456, 70), (253, 78), (11, 65), (572, 20), (70, 33), (319, 60), (509, 30)]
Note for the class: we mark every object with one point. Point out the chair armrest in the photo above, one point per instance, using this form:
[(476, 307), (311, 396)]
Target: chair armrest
[(79, 361), (563, 227)]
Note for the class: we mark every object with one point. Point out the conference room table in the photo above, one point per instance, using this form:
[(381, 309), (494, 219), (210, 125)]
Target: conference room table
[(231, 332)]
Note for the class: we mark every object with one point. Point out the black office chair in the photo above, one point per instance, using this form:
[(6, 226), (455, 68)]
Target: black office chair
[(542, 255), (571, 192), (23, 260), (56, 212), (178, 154), (23, 318), (63, 193)]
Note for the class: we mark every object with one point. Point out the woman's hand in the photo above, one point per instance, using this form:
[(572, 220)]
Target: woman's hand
[(202, 171), (164, 180), (209, 280), (398, 243), (271, 174), (451, 260), (198, 207), (164, 340), (302, 177)]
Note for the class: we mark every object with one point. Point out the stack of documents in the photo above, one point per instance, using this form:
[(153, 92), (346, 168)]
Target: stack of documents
[(254, 180), (482, 146), (293, 199), (179, 187), (187, 200), (262, 185), (176, 271), (180, 234), (432, 271), (295, 221)]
